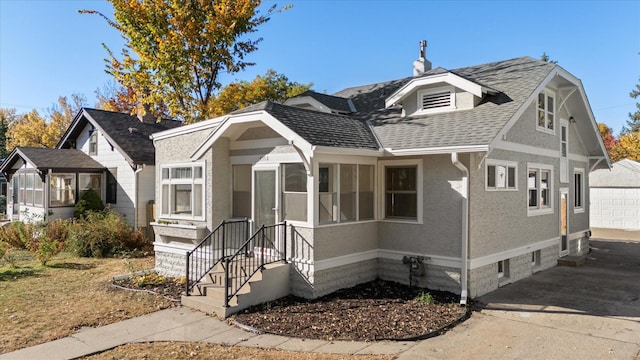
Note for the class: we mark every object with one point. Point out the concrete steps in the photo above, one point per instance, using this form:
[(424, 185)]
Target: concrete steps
[(268, 284)]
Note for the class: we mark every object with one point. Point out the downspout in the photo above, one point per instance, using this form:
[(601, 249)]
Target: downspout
[(136, 194), (465, 228)]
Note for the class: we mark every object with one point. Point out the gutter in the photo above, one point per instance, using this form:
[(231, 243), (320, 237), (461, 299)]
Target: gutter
[(464, 264)]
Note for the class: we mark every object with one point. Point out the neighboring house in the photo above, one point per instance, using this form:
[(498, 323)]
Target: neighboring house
[(461, 180), (108, 151), (615, 196)]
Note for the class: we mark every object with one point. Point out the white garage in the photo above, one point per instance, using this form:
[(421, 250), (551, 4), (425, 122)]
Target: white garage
[(615, 196)]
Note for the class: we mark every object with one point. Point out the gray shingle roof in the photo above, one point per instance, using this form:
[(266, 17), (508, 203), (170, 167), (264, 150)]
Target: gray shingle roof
[(323, 129), (515, 80), (335, 103), (58, 160), (124, 131)]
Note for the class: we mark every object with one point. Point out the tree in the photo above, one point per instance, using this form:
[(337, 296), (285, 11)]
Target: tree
[(115, 97), (634, 118), (175, 50), (61, 115), (628, 146), (272, 86), (28, 130), (7, 116), (610, 142)]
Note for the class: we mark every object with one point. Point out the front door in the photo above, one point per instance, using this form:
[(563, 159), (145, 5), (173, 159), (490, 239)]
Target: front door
[(564, 223), (264, 197)]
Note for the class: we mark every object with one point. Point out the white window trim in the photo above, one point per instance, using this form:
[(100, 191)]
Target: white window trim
[(335, 179), (423, 92), (545, 210), (506, 164), (382, 166), (191, 181), (547, 93), (93, 136), (75, 188), (581, 209)]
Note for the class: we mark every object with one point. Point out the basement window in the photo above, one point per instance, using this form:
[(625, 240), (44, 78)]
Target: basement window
[(436, 100)]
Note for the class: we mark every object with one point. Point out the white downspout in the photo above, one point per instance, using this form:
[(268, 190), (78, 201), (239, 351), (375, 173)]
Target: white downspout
[(136, 190), (465, 228)]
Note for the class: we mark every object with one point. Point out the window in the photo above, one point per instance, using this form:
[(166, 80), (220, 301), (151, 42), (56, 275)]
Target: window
[(294, 194), (578, 190), (241, 191), (345, 192), (535, 258), (564, 151), (62, 190), (93, 143), (182, 194), (112, 186), (503, 269), (29, 189), (89, 181), (540, 189), (401, 191), (546, 111), (435, 100), (501, 175)]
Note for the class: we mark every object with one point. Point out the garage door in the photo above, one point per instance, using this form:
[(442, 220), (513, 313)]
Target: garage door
[(615, 208)]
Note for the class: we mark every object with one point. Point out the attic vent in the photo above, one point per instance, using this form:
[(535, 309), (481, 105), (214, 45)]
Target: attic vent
[(434, 100), (437, 100), (132, 130)]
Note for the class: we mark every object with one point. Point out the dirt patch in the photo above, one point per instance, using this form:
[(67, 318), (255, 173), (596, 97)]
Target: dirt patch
[(179, 350), (378, 310)]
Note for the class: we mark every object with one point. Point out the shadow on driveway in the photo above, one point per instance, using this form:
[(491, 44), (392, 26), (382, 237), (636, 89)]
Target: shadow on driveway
[(608, 284)]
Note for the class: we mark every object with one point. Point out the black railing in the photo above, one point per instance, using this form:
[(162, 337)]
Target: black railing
[(265, 246), (222, 242)]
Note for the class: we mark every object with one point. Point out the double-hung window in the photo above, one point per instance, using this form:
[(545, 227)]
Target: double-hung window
[(183, 191), (62, 190), (540, 189), (30, 188), (93, 143), (546, 121), (578, 190), (402, 190), (501, 175)]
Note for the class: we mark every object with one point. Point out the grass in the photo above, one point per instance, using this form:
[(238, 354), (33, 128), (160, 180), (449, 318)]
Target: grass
[(43, 303)]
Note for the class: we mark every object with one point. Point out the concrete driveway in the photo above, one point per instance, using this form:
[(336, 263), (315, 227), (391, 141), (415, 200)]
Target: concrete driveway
[(588, 312)]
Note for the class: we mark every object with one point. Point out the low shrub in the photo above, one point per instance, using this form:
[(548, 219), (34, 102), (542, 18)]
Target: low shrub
[(50, 240), (3, 249), (104, 234), (16, 234), (90, 201)]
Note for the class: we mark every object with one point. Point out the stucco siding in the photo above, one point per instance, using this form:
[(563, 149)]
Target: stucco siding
[(500, 219), (332, 241), (440, 233)]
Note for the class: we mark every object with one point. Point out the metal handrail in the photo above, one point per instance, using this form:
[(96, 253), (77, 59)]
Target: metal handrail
[(213, 249), (267, 245)]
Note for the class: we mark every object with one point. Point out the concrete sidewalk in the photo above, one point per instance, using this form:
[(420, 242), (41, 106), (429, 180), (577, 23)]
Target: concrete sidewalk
[(183, 324)]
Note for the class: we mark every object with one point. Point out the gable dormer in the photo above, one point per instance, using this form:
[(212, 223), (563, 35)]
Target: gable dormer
[(322, 102), (435, 92)]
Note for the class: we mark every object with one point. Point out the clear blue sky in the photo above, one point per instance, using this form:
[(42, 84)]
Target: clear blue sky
[(48, 50)]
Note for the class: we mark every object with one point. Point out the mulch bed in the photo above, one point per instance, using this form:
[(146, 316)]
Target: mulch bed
[(170, 288), (378, 310)]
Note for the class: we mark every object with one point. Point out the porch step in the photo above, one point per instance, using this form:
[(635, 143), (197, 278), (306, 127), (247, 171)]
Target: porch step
[(573, 261), (269, 284)]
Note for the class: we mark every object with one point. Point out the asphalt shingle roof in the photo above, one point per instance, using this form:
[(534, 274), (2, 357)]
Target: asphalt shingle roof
[(59, 160), (332, 102), (127, 133), (514, 80)]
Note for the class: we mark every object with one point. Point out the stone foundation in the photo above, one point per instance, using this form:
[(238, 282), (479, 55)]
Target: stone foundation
[(426, 275)]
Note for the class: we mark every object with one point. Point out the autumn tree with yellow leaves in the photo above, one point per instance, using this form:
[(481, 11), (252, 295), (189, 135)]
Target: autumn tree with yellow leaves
[(175, 50)]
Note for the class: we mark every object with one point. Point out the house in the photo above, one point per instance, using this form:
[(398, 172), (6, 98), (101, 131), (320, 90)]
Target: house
[(615, 196), (107, 151), (461, 180)]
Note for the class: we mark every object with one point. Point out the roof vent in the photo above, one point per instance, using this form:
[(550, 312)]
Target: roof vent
[(421, 65), (132, 130)]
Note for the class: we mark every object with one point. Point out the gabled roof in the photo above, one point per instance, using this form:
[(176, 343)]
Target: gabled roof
[(624, 173), (320, 101), (513, 82), (45, 159), (123, 131)]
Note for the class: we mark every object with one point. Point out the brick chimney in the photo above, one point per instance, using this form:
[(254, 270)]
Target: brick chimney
[(421, 65)]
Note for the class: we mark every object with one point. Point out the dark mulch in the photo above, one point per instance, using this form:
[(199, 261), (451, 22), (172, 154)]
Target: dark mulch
[(378, 310)]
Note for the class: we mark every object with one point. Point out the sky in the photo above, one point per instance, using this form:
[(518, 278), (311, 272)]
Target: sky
[(48, 49)]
